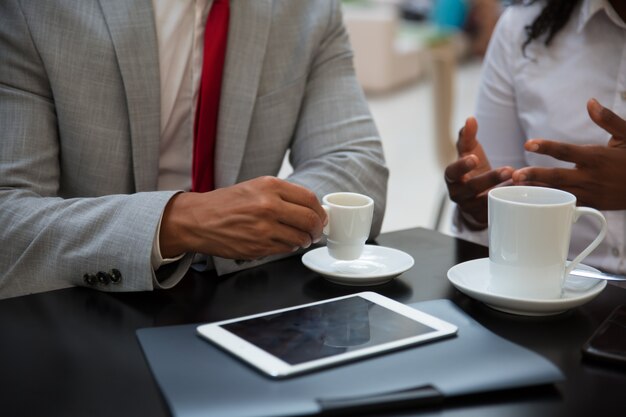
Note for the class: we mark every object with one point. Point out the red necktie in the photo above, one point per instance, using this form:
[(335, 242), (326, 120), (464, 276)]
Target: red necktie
[(205, 126)]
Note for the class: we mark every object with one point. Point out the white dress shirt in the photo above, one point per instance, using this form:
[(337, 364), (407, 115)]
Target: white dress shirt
[(543, 94), (180, 37)]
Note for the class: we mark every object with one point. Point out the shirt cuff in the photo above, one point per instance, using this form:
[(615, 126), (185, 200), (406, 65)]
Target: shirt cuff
[(156, 258)]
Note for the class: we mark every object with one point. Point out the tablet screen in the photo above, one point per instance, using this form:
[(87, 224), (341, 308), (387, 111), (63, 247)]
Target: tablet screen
[(323, 330), (324, 333)]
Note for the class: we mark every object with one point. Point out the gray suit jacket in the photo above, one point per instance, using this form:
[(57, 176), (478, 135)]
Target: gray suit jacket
[(80, 117)]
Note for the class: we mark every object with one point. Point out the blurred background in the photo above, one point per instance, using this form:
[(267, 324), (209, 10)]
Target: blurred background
[(419, 62)]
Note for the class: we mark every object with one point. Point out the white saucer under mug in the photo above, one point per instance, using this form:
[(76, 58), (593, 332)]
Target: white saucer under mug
[(377, 265), (472, 278)]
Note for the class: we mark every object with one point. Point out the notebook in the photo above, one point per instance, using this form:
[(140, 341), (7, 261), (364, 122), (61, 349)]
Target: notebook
[(197, 378)]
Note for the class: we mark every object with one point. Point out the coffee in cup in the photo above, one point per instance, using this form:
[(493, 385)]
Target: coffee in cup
[(529, 237), (349, 223)]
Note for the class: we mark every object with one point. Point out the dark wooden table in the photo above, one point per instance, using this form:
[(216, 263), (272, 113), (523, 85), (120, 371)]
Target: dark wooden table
[(74, 352)]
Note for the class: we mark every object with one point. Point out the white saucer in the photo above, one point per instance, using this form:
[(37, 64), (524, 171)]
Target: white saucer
[(376, 265), (472, 279)]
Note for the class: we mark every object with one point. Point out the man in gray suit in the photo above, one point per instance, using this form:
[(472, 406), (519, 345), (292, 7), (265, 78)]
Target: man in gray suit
[(94, 124)]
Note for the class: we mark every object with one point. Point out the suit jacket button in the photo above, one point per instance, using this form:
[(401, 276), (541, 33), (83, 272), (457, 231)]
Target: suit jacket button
[(90, 279), (103, 278), (116, 276)]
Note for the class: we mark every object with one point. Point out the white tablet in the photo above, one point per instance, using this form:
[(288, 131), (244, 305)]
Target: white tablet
[(311, 336)]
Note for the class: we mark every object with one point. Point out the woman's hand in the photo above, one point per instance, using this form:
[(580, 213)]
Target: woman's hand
[(599, 177), (470, 177)]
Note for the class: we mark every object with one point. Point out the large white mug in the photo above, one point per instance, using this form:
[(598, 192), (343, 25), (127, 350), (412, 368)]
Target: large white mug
[(529, 237), (349, 223)]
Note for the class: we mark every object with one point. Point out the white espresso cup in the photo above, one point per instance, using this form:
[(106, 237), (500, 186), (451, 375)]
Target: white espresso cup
[(349, 223), (529, 237)]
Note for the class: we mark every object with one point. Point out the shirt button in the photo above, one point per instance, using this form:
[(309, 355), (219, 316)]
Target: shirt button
[(615, 251), (623, 94)]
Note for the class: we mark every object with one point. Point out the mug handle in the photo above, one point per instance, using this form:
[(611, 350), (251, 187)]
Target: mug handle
[(326, 230), (581, 211)]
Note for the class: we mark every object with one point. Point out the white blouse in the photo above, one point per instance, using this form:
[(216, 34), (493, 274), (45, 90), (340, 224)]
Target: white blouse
[(543, 94)]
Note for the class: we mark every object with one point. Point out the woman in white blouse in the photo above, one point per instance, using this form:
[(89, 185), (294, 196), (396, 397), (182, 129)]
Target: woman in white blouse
[(539, 124)]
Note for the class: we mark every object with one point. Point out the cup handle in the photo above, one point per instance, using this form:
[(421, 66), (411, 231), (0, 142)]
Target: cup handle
[(326, 230), (581, 211)]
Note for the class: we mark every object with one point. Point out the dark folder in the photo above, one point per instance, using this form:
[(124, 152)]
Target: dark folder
[(197, 378)]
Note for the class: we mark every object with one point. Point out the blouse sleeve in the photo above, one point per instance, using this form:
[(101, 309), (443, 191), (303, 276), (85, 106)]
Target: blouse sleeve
[(499, 129)]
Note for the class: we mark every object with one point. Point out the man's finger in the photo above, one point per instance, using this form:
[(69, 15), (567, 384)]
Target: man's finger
[(291, 237), (301, 196), (606, 119), (302, 219)]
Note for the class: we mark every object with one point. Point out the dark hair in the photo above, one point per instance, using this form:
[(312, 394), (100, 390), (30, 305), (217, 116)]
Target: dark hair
[(551, 20)]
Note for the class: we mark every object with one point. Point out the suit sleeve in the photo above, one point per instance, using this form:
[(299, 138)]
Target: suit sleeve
[(49, 241), (336, 146)]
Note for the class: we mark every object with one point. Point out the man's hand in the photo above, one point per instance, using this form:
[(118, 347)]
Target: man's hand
[(470, 177), (599, 177), (250, 220)]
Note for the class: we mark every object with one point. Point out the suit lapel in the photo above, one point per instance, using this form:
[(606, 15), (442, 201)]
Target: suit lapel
[(132, 28), (247, 38)]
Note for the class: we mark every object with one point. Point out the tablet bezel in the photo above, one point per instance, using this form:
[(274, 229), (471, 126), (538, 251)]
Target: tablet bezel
[(275, 367)]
